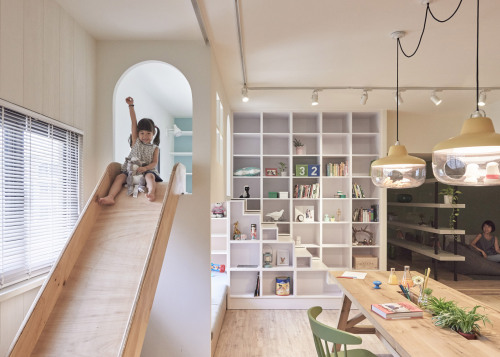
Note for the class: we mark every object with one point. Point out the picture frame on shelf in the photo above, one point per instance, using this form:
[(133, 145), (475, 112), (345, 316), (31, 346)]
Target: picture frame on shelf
[(282, 257), (271, 172), (304, 214)]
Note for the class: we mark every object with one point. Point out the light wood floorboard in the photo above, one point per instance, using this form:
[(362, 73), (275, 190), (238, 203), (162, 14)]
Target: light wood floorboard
[(273, 333)]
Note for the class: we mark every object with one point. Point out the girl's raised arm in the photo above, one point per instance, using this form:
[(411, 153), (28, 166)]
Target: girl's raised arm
[(133, 119)]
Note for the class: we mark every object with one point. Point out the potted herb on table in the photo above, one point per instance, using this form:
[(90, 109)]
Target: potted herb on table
[(448, 315)]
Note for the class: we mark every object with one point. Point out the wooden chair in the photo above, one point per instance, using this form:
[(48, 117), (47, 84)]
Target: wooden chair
[(324, 333)]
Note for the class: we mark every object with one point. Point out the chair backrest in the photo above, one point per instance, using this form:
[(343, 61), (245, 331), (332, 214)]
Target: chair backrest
[(323, 334)]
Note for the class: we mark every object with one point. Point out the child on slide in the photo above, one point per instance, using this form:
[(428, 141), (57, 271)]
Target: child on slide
[(144, 146)]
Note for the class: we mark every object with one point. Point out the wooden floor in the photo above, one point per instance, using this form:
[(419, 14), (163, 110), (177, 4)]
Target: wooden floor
[(273, 333)]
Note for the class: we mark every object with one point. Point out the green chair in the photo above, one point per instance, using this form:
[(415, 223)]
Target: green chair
[(324, 333)]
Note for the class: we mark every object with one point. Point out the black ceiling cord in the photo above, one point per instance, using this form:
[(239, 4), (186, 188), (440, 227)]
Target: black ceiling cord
[(428, 11)]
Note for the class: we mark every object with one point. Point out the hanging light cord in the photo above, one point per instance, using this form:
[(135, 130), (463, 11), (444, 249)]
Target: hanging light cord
[(397, 89), (428, 11), (477, 58)]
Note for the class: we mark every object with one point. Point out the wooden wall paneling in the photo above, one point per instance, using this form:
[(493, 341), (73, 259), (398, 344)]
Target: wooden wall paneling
[(66, 50), (11, 54), (80, 104), (51, 59), (33, 55)]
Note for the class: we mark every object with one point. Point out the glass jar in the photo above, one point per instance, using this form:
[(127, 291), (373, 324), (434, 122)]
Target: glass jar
[(407, 280), (393, 279)]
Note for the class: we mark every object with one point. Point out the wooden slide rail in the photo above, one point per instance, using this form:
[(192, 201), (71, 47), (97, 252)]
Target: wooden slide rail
[(28, 339)]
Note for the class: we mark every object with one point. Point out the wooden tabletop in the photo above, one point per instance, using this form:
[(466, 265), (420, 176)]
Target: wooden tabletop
[(420, 337)]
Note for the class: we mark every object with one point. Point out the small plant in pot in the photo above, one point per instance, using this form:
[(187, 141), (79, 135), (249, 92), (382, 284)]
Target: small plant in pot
[(448, 315), (299, 147), (450, 196), (282, 169)]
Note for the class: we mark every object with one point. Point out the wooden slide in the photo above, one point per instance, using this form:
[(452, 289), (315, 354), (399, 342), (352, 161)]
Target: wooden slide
[(98, 296)]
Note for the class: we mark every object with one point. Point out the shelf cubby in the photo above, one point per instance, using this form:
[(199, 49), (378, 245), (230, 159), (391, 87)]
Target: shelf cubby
[(268, 283), (336, 123), (336, 144), (276, 122), (306, 123), (365, 123), (246, 123)]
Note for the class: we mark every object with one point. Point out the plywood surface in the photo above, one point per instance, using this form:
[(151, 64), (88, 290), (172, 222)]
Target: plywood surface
[(419, 337), (92, 310)]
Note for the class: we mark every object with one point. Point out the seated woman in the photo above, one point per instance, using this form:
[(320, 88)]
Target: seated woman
[(486, 243)]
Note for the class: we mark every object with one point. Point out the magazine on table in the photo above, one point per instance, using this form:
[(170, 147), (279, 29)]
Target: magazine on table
[(398, 310)]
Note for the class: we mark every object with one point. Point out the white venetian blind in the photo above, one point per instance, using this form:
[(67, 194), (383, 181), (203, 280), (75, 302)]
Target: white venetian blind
[(40, 180)]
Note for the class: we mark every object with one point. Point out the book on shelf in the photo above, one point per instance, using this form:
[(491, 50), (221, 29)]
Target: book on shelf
[(398, 310), (337, 169), (306, 191), (357, 191)]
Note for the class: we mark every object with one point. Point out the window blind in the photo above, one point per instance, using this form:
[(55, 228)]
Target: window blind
[(40, 180)]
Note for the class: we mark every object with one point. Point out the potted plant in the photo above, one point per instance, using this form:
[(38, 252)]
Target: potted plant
[(299, 147), (448, 315), (282, 169), (450, 196)]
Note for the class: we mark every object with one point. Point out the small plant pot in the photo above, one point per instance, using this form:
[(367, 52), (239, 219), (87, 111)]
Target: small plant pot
[(448, 199), (283, 173), (300, 150), (469, 336)]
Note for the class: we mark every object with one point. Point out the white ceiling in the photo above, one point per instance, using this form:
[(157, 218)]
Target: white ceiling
[(321, 43)]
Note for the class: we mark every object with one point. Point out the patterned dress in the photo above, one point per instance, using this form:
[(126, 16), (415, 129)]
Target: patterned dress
[(144, 152)]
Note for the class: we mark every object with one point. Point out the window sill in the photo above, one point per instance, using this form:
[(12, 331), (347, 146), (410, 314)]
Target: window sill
[(22, 287)]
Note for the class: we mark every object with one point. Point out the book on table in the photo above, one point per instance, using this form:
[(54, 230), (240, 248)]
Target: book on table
[(397, 310)]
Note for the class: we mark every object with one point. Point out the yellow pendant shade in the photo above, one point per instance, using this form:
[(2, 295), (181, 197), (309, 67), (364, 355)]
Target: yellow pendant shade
[(471, 158), (398, 169)]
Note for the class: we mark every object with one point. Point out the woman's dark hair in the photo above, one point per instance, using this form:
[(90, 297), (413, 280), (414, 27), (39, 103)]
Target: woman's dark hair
[(147, 125), (489, 223)]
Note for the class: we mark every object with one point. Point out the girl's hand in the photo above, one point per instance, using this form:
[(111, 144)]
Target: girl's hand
[(129, 100), (484, 254), (141, 170)]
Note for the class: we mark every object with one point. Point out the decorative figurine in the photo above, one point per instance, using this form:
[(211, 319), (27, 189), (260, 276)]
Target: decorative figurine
[(377, 284), (275, 215), (236, 232), (246, 194)]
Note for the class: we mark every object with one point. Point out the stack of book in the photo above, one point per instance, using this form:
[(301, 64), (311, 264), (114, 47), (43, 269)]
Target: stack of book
[(397, 310), (357, 191), (337, 169), (363, 215), (306, 191)]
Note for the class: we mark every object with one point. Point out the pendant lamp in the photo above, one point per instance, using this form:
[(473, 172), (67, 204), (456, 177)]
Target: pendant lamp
[(473, 157), (398, 169)]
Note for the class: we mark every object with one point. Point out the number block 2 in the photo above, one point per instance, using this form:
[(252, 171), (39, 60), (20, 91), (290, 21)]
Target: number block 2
[(313, 170)]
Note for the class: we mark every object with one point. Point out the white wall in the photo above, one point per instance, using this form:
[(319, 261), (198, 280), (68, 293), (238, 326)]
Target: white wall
[(180, 317), (47, 64)]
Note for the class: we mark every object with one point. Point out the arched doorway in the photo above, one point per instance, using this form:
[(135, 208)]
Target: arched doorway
[(161, 92)]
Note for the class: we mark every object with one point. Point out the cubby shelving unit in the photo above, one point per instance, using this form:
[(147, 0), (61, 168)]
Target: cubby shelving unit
[(264, 140)]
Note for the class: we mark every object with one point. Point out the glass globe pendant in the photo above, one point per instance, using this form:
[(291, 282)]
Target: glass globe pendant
[(398, 169), (471, 158)]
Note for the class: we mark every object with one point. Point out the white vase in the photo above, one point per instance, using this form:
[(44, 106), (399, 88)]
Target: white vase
[(448, 199), (300, 150), (283, 173)]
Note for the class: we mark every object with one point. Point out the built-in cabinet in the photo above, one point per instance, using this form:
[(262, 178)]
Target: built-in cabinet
[(314, 192), (183, 149)]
